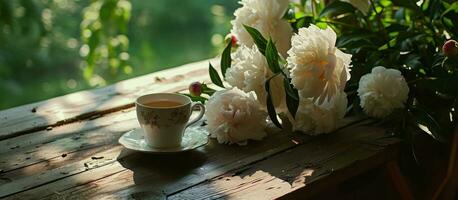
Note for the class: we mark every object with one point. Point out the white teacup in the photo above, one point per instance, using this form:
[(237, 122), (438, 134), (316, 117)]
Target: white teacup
[(164, 118)]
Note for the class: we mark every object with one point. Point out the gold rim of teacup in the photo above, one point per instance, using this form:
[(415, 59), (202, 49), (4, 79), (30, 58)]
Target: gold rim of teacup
[(189, 101)]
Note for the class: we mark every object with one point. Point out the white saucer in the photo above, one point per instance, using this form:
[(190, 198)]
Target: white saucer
[(194, 137)]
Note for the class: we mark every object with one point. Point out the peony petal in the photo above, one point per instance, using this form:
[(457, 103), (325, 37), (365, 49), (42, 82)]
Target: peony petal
[(382, 91), (234, 116), (316, 65)]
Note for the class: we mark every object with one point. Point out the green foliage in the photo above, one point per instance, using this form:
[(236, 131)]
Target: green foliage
[(103, 31), (273, 61), (272, 57), (268, 49), (449, 18), (193, 98), (401, 34), (226, 58), (44, 38), (336, 8), (38, 49), (258, 39), (270, 105), (292, 97), (214, 76)]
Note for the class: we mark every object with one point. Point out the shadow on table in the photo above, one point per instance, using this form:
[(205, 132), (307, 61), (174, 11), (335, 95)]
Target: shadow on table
[(154, 172), (292, 169)]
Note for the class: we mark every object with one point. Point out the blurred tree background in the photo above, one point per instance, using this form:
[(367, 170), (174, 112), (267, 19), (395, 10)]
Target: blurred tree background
[(53, 47)]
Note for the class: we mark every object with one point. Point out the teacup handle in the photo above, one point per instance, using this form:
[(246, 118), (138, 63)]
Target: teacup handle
[(201, 114)]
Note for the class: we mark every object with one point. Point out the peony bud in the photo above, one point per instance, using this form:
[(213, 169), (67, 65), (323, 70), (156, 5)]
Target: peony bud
[(450, 48), (233, 40), (195, 89)]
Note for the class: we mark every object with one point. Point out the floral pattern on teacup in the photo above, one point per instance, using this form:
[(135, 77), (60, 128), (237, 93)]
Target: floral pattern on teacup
[(164, 118), (179, 116)]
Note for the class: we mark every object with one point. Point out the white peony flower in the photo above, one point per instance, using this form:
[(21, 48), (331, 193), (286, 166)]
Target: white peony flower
[(382, 91), (362, 5), (318, 69), (314, 119), (266, 17), (234, 116), (249, 72)]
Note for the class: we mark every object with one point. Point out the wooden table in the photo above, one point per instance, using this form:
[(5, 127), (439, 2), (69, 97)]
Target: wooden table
[(66, 148)]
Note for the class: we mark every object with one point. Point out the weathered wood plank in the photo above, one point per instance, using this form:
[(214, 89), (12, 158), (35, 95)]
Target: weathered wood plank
[(27, 159), (357, 150), (62, 157), (94, 161), (45, 146), (65, 159), (85, 104), (72, 130), (44, 150), (63, 151), (56, 158), (33, 153), (145, 168), (150, 176), (155, 174)]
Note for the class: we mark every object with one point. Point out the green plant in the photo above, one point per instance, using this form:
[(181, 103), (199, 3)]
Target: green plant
[(103, 31), (405, 35), (400, 34)]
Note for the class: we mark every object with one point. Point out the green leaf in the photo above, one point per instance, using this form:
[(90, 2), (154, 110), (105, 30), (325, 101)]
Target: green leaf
[(107, 10), (272, 57), (197, 98), (290, 90), (337, 8), (434, 8), (424, 118), (214, 76), (449, 17), (303, 2), (207, 90), (413, 61), (88, 71), (405, 3), (289, 14), (292, 97), (355, 40), (226, 59), (445, 84), (395, 27), (258, 39), (270, 106), (7, 12), (304, 22)]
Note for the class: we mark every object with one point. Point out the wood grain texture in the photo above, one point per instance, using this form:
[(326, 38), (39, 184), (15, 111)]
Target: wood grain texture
[(299, 169), (29, 154), (56, 154), (139, 174), (66, 148), (63, 152), (86, 104), (43, 146), (66, 157), (151, 173)]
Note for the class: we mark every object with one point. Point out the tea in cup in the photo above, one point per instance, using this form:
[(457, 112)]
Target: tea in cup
[(164, 118)]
